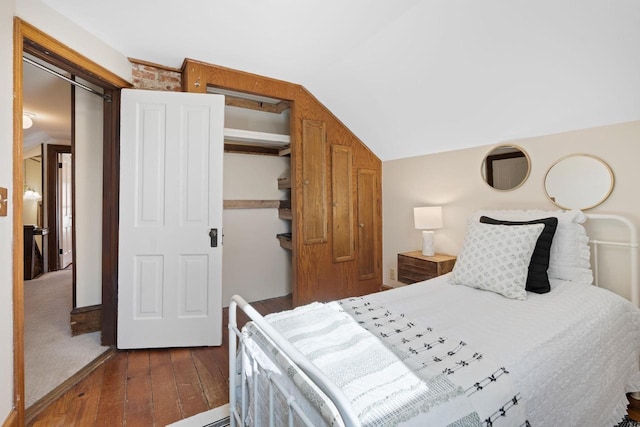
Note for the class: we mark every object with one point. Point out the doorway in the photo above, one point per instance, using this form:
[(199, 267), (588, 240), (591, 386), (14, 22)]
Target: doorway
[(57, 280), (64, 210), (28, 39), (58, 193)]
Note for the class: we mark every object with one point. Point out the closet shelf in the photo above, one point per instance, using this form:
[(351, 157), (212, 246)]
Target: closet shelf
[(258, 138), (284, 183), (285, 240), (285, 151), (251, 204), (285, 213)]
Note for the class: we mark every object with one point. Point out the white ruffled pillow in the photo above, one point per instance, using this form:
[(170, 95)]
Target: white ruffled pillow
[(570, 257), (496, 258)]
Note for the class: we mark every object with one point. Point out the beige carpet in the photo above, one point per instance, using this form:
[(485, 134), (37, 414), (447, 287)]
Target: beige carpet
[(52, 355)]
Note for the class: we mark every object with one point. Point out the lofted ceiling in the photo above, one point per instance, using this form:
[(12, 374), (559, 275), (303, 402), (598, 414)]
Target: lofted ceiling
[(408, 77)]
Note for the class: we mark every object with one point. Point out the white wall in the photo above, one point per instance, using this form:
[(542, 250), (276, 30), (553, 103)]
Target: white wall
[(7, 9), (254, 265), (36, 13), (453, 180), (88, 197)]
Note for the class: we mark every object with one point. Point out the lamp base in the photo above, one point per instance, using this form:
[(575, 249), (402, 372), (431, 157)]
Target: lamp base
[(427, 243)]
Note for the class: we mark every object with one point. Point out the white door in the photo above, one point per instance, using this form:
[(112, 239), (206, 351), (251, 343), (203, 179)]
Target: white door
[(64, 205), (169, 286)]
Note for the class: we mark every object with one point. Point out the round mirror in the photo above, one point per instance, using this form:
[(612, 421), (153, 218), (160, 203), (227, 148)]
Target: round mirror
[(506, 167), (579, 181)]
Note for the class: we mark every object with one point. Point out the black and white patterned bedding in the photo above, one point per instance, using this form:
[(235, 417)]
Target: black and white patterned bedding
[(562, 358), (432, 355), (572, 353), (393, 370)]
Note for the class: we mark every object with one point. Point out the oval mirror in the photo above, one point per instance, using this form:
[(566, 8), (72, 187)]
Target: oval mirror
[(579, 181), (506, 167)]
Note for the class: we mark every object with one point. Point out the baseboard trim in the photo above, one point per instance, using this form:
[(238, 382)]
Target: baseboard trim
[(12, 419), (32, 411), (85, 320)]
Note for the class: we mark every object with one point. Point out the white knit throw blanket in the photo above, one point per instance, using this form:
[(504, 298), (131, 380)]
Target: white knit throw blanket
[(381, 387)]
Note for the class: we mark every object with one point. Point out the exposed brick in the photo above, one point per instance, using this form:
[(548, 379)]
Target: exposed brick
[(147, 75), (154, 78), (168, 78)]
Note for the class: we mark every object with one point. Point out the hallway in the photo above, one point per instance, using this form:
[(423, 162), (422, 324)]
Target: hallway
[(51, 354)]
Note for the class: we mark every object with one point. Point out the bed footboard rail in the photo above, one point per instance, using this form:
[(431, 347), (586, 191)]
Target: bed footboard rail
[(238, 415), (632, 244)]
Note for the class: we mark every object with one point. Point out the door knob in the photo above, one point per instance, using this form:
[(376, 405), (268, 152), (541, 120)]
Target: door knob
[(213, 234)]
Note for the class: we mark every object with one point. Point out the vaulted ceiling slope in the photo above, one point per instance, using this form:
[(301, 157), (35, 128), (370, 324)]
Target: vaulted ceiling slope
[(409, 77)]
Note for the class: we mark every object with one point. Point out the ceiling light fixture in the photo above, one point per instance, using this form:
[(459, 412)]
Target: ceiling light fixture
[(27, 120)]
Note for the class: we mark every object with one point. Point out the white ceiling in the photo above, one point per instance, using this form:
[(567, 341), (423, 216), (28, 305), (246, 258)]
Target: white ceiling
[(408, 77)]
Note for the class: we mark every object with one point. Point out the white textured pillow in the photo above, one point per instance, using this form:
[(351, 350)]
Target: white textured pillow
[(570, 257), (496, 258)]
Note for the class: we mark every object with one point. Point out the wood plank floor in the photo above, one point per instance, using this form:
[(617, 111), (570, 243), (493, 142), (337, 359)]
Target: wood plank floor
[(151, 387)]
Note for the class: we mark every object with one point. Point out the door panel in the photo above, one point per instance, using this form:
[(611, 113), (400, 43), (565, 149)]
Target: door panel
[(149, 184), (341, 189), (171, 196), (367, 224), (65, 209), (148, 286), (314, 189), (193, 289)]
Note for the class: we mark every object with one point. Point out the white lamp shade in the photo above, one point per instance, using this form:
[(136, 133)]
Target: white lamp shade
[(428, 218)]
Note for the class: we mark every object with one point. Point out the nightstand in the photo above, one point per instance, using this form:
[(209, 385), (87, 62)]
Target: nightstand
[(414, 267)]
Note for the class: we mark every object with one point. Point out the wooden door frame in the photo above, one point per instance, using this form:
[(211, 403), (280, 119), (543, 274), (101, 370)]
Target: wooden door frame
[(27, 38)]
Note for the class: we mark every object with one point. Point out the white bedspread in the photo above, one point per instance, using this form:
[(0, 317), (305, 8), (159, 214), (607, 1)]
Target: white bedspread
[(573, 352)]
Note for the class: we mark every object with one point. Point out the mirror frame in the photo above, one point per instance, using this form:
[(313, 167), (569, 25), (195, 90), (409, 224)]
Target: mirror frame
[(602, 200), (483, 166)]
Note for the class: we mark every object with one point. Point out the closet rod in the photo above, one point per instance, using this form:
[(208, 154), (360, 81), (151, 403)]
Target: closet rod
[(107, 98)]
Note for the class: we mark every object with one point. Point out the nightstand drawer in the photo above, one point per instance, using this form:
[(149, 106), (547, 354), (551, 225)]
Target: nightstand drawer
[(414, 267), (417, 266), (409, 277)]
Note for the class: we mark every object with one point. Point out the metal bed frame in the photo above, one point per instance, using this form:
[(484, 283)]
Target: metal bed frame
[(347, 414), (632, 244), (336, 395)]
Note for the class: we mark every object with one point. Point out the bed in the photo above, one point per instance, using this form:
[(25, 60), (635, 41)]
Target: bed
[(465, 349)]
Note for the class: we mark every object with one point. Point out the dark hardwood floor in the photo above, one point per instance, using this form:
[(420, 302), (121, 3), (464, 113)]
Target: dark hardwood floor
[(151, 387)]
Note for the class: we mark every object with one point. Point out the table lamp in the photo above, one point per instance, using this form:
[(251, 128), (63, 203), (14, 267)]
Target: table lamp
[(427, 219)]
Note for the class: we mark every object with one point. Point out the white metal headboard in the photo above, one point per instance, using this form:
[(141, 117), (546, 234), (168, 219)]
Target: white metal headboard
[(632, 244)]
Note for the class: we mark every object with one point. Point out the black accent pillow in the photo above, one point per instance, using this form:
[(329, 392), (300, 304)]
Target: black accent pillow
[(537, 278)]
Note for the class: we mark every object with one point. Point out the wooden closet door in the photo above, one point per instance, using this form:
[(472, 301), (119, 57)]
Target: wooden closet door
[(341, 187), (367, 224), (314, 189)]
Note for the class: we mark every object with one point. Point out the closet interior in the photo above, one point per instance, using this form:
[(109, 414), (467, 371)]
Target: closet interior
[(257, 196)]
